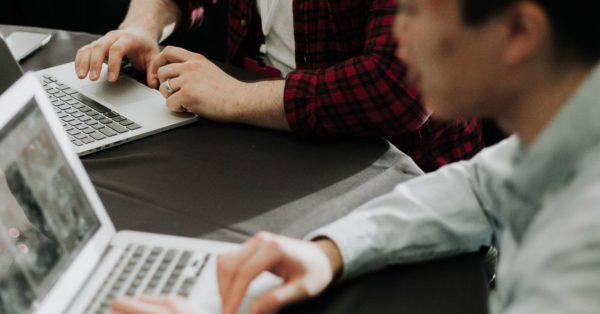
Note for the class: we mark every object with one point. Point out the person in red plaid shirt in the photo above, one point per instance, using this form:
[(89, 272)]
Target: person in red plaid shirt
[(340, 76)]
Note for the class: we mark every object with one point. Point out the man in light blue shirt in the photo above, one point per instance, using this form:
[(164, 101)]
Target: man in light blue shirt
[(532, 66)]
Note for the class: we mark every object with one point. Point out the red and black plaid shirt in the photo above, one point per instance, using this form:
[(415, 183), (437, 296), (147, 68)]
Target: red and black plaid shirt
[(348, 81)]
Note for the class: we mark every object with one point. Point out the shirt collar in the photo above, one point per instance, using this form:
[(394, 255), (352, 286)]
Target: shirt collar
[(551, 161)]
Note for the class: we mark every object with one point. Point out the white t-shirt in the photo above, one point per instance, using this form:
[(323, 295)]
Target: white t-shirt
[(278, 27)]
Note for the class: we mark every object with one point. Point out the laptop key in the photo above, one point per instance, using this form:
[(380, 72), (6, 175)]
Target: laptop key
[(126, 122), (108, 132), (97, 136), (111, 114), (87, 140), (119, 118), (133, 126), (69, 91), (72, 101), (117, 127)]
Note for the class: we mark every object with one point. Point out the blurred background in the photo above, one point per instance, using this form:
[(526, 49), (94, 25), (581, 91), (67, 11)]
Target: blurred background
[(101, 16)]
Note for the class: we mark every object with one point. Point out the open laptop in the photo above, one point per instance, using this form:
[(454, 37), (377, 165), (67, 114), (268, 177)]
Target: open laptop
[(98, 115), (59, 251)]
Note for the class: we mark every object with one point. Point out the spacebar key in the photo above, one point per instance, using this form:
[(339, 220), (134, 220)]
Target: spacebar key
[(90, 102)]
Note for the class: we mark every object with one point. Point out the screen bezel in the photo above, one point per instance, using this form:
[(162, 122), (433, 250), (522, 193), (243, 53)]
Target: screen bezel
[(69, 284)]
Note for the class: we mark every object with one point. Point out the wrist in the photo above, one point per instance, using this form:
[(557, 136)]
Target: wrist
[(161, 12), (149, 32), (261, 104), (241, 96), (333, 255)]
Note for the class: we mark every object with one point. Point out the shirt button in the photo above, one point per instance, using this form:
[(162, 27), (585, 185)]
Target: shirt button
[(243, 22)]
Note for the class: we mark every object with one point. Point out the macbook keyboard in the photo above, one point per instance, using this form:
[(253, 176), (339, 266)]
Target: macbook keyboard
[(154, 271), (84, 119)]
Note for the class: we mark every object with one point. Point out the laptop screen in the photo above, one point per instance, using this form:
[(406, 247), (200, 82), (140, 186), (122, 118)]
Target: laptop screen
[(45, 219)]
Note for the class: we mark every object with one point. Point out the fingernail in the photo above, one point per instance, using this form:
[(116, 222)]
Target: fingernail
[(81, 74), (94, 74)]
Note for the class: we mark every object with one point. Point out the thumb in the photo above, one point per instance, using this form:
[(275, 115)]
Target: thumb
[(277, 298), (151, 76)]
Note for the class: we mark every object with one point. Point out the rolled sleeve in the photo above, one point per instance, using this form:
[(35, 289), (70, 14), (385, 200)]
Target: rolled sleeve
[(364, 95)]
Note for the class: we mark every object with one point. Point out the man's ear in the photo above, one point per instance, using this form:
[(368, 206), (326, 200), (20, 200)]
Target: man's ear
[(528, 32)]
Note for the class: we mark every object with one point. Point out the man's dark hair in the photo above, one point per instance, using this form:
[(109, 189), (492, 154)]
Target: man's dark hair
[(575, 23)]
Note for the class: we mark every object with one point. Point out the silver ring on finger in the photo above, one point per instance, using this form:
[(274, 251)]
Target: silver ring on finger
[(168, 87)]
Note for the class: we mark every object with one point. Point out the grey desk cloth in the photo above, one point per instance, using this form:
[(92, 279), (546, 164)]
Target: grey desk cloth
[(227, 181)]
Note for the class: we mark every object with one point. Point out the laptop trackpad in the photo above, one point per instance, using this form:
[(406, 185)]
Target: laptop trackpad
[(124, 91)]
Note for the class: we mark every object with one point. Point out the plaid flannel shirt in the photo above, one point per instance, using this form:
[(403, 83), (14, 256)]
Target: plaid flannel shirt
[(347, 80)]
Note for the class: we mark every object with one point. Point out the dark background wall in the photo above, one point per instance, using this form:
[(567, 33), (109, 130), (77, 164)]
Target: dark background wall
[(101, 16), (79, 15)]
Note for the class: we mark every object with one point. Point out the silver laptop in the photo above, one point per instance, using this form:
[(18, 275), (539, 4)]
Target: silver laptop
[(98, 115), (59, 252)]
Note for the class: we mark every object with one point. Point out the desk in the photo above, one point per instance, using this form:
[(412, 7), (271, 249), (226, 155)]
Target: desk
[(228, 181)]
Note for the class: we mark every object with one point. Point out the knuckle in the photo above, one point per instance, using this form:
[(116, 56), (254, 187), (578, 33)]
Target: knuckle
[(269, 240), (83, 49), (184, 92), (192, 65), (116, 49), (112, 34), (95, 45), (169, 49), (263, 236)]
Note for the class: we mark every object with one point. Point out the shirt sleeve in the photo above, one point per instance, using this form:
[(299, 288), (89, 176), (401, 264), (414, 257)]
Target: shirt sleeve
[(364, 95), (439, 214)]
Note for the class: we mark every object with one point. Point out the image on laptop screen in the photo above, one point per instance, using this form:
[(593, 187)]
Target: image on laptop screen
[(45, 220)]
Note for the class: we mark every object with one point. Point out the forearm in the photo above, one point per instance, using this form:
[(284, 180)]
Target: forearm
[(261, 104), (436, 215), (151, 16)]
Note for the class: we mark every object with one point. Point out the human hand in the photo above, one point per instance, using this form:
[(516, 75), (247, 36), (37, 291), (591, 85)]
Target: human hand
[(306, 268), (139, 46), (198, 85), (153, 305)]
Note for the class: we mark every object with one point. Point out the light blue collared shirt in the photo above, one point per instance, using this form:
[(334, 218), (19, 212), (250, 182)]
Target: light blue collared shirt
[(540, 206)]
